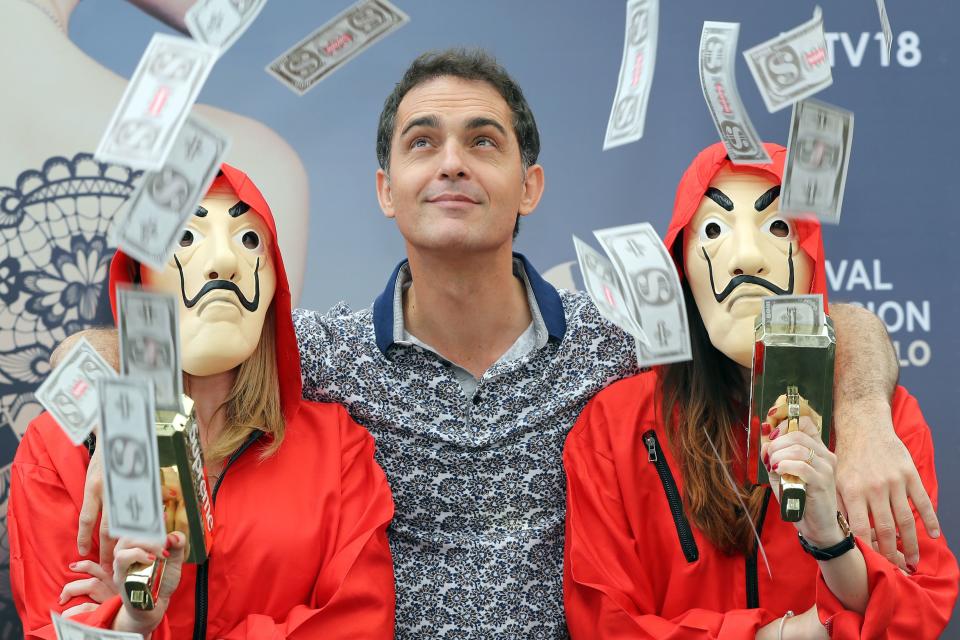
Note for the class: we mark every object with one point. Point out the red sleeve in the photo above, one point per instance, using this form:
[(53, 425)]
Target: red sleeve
[(46, 491), (354, 593), (607, 594), (902, 606)]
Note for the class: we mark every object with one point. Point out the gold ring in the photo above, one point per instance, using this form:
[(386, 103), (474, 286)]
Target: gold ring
[(809, 459)]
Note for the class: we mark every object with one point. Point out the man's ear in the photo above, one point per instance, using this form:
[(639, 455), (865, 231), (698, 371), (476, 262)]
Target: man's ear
[(533, 183), (385, 193)]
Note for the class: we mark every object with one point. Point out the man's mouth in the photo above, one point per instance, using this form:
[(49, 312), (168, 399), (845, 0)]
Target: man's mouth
[(452, 197)]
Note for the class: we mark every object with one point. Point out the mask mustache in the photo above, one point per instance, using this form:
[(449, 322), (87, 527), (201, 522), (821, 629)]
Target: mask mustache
[(743, 278), (214, 285)]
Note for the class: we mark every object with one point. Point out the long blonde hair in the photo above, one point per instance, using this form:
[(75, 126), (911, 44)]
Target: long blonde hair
[(254, 400)]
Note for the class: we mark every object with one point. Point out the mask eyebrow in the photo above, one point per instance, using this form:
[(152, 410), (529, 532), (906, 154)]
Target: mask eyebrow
[(432, 122), (200, 212), (238, 209), (720, 198), (481, 122), (767, 198)]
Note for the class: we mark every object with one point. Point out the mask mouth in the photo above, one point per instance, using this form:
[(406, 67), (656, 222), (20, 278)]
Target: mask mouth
[(216, 285), (743, 278)]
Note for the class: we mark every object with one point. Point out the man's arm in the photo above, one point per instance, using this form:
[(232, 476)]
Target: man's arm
[(875, 473)]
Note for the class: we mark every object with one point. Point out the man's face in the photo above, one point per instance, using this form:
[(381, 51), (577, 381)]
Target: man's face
[(224, 277), (456, 181), (737, 250)]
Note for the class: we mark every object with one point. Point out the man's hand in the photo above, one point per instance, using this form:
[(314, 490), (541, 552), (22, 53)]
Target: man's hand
[(877, 479), (92, 506)]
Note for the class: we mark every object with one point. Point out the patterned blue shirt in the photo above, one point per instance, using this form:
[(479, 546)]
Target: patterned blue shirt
[(477, 478)]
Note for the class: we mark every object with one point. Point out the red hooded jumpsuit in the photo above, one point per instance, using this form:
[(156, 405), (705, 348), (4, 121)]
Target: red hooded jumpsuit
[(635, 567), (300, 547)]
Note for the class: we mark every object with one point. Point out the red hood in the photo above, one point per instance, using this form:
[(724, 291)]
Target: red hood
[(124, 270), (693, 186)]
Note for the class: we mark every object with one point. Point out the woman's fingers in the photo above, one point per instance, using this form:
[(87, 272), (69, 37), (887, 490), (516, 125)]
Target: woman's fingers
[(91, 568), (83, 587), (83, 607)]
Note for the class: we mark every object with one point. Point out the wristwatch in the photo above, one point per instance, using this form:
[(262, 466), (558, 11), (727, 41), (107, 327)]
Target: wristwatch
[(836, 550)]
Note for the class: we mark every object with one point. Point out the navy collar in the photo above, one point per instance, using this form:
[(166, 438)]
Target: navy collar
[(548, 301)]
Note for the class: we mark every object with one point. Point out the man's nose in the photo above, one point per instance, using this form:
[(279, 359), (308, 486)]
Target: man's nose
[(453, 163), (222, 262), (747, 259)]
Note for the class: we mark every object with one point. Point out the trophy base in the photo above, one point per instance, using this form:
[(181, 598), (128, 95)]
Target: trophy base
[(143, 584), (793, 499)]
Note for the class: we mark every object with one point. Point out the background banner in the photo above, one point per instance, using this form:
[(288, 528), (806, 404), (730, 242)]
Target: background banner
[(894, 250)]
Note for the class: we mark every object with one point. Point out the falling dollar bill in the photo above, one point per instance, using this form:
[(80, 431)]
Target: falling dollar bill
[(651, 290), (600, 280), (792, 66), (885, 26), (629, 111), (220, 23), (796, 314), (131, 463), (165, 198), (70, 391), (150, 342), (156, 102), (818, 155), (718, 47), (336, 43), (67, 629)]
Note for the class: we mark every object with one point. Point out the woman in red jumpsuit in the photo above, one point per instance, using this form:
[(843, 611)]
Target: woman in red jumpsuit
[(657, 543), (300, 506)]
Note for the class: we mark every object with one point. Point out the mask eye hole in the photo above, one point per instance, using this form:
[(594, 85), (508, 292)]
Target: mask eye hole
[(712, 228), (190, 237), (250, 240), (779, 228)]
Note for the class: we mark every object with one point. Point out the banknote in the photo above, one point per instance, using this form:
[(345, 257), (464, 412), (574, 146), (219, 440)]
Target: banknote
[(792, 66), (600, 280), (629, 111), (158, 98), (818, 155), (335, 43), (131, 463), (156, 212), (885, 27), (797, 314), (67, 629), (220, 23), (70, 391), (651, 289), (718, 47), (150, 342)]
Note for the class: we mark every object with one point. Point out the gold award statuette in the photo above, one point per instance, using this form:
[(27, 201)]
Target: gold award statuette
[(793, 356), (187, 503)]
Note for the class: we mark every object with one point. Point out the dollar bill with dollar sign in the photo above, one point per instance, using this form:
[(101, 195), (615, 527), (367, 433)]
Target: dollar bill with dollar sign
[(792, 66), (67, 629), (131, 463), (335, 43), (818, 156), (795, 314), (885, 27), (166, 83), (156, 212), (220, 23), (718, 47), (70, 391), (651, 290), (629, 111), (150, 342), (601, 283)]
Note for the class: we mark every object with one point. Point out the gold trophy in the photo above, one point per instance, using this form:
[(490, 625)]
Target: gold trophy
[(187, 502), (793, 356)]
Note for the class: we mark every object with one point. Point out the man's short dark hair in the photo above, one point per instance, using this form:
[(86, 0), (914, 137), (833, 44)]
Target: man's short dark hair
[(468, 64)]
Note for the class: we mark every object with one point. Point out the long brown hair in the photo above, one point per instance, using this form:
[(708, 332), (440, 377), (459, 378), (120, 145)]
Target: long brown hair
[(709, 392)]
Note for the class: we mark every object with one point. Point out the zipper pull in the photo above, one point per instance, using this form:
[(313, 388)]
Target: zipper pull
[(651, 449)]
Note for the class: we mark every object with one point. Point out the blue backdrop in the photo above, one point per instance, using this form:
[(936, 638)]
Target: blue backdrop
[(894, 250)]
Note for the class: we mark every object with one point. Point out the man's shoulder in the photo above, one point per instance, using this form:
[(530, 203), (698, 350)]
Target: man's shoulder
[(580, 312), (339, 321)]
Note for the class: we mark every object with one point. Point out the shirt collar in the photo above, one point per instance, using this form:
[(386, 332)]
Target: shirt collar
[(388, 305)]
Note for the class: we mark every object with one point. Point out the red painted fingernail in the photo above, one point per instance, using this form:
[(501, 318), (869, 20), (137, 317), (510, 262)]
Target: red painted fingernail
[(774, 433), (150, 556), (73, 565), (911, 569), (772, 411), (775, 466), (166, 554), (766, 458), (765, 428)]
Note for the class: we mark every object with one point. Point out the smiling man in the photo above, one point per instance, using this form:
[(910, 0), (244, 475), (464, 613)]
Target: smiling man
[(470, 369)]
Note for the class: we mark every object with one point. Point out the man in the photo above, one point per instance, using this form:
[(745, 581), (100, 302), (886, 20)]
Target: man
[(469, 369)]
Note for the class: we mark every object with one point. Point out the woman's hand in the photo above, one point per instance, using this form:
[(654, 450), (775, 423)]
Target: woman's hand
[(98, 587), (803, 626), (803, 454), (129, 552)]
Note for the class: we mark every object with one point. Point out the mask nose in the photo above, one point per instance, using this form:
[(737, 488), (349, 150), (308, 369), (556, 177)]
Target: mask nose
[(747, 259), (222, 263)]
